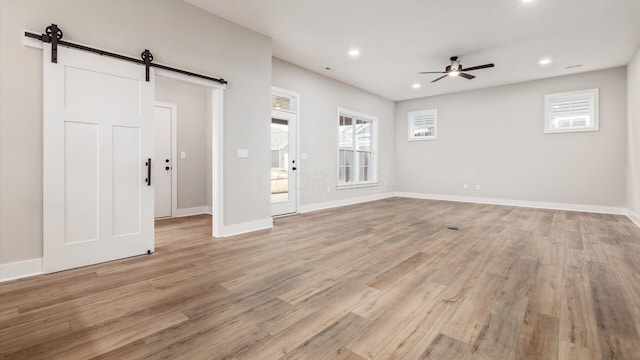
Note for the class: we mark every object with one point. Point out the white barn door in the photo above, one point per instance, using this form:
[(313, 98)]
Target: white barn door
[(98, 135)]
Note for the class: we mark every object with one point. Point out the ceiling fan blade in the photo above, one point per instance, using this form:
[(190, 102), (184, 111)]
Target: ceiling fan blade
[(440, 78), (478, 67), (467, 76), (432, 72)]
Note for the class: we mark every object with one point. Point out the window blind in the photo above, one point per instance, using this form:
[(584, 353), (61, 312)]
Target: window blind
[(571, 111), (423, 124)]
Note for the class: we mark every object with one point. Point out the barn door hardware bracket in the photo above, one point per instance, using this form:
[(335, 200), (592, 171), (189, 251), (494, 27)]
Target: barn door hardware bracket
[(48, 37), (53, 35), (147, 58)]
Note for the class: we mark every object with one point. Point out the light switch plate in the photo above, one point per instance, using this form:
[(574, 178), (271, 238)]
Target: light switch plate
[(183, 155), (303, 156), (243, 153)]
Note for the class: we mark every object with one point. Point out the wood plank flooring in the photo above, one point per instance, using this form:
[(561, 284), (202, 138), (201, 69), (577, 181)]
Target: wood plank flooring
[(381, 280)]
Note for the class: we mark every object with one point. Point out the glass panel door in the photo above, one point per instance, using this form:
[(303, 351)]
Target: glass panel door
[(279, 160), (283, 163)]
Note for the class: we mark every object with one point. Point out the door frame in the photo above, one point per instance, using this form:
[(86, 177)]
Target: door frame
[(296, 95), (174, 154), (215, 94)]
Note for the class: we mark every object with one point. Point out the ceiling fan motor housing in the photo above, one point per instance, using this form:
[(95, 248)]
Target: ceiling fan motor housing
[(455, 64)]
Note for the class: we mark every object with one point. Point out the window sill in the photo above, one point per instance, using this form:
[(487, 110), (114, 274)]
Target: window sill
[(573, 130), (429, 138), (355, 186)]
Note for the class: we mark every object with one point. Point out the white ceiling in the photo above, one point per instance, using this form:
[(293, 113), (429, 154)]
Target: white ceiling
[(397, 39)]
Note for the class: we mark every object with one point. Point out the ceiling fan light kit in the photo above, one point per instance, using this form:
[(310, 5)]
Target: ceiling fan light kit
[(456, 70)]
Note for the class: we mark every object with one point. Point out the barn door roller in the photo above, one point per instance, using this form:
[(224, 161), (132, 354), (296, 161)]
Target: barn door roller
[(53, 35)]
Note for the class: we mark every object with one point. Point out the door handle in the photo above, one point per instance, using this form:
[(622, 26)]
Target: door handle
[(148, 179)]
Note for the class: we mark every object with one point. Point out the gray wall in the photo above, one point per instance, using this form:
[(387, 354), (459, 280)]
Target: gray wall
[(492, 137), (633, 98), (495, 138), (179, 35), (320, 98), (194, 138)]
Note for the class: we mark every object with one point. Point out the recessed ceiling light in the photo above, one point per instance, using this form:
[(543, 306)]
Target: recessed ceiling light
[(416, 86), (545, 61), (454, 73), (527, 1), (354, 52)]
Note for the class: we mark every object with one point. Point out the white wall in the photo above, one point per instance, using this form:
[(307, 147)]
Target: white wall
[(494, 138), (179, 35), (633, 100), (320, 99), (193, 124)]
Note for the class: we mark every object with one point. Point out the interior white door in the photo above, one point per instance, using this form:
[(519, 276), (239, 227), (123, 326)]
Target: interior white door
[(163, 117), (284, 164), (98, 136)]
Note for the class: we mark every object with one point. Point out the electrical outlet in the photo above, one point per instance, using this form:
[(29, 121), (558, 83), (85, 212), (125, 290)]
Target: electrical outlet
[(466, 186), (477, 187), (243, 153)]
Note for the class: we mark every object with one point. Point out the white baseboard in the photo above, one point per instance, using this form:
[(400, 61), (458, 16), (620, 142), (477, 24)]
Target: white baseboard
[(635, 218), (519, 203), (242, 228), (198, 210), (343, 202), (20, 269)]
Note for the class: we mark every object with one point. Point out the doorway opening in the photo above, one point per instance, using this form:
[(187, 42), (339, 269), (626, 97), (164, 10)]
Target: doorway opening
[(191, 179), (182, 174)]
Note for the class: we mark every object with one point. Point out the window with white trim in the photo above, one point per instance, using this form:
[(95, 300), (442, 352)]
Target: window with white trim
[(423, 125), (357, 142), (282, 101), (574, 111)]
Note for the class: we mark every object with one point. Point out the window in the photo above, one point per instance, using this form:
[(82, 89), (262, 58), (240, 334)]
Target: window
[(423, 125), (282, 101), (357, 142), (572, 111)]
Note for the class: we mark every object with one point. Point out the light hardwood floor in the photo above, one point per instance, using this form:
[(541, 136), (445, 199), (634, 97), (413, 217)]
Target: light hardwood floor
[(381, 280)]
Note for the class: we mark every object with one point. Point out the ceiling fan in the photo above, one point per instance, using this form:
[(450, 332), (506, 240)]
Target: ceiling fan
[(456, 69)]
